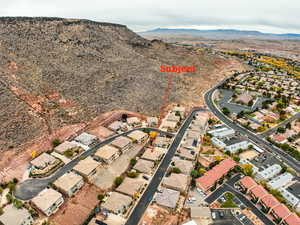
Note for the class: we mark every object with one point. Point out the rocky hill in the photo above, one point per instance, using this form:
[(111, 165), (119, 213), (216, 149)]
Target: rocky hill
[(56, 72)]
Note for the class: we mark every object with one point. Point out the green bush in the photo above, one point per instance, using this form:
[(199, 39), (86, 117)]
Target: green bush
[(118, 181), (133, 162), (56, 142), (133, 174), (176, 170)]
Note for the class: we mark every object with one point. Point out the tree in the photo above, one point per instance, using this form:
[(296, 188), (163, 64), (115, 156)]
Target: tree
[(133, 162), (118, 181), (225, 111), (218, 158), (288, 126), (176, 170), (100, 197), (153, 135), (56, 142), (281, 130), (236, 158), (133, 174), (201, 171), (247, 169), (124, 117), (194, 174), (11, 186), (250, 147)]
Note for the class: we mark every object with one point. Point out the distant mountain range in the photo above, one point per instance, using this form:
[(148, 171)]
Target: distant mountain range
[(220, 33)]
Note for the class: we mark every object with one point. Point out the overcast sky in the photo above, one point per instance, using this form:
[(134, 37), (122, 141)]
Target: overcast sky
[(279, 16)]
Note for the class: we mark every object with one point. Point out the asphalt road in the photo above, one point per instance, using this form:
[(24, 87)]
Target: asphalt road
[(272, 130), (228, 187), (31, 187), (146, 198), (289, 160)]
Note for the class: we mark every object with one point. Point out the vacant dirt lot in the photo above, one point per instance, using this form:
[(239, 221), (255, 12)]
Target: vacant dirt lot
[(75, 210), (156, 215)]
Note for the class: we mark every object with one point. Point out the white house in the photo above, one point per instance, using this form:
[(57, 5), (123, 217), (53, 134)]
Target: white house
[(280, 181), (268, 173), (13, 216)]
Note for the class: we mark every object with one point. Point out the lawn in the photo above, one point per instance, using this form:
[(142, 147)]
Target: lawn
[(229, 201)]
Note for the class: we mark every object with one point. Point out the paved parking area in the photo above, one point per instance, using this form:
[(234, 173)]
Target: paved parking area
[(224, 217), (106, 175), (198, 197)]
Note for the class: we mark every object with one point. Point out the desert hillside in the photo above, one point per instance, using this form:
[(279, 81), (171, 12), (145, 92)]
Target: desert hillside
[(56, 72)]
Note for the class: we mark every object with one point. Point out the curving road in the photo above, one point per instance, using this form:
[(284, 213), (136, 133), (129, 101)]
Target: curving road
[(289, 160), (31, 187)]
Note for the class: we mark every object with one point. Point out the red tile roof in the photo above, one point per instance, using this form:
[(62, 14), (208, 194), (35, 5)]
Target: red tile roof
[(281, 211), (259, 191), (270, 201), (292, 220), (213, 175), (248, 182)]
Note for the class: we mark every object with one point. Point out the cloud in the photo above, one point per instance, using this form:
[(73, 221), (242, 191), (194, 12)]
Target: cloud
[(274, 16)]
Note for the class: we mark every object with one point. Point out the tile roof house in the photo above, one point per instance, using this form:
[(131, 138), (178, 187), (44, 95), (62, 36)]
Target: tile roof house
[(167, 198), (292, 219), (178, 182), (131, 186), (117, 203), (212, 176), (280, 211), (48, 201), (247, 183), (69, 183), (13, 216), (107, 154), (122, 143), (258, 192), (144, 166), (269, 201)]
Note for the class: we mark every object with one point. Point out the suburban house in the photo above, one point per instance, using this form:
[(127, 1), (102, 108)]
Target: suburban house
[(87, 139), (101, 132), (44, 164), (48, 201), (13, 216), (167, 198), (292, 219), (144, 166), (138, 136), (178, 182), (116, 126), (186, 154), (117, 203), (269, 202), (131, 186), (280, 181), (258, 192), (168, 125), (107, 154), (247, 183), (173, 118), (221, 132), (185, 166), (134, 121), (291, 198), (230, 144), (152, 121), (69, 183), (210, 178), (67, 146), (178, 110), (268, 173), (162, 142), (280, 212), (122, 143), (87, 168), (152, 154), (244, 98)]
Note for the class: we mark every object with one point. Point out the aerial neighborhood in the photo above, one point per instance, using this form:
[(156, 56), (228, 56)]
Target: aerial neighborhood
[(236, 159)]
